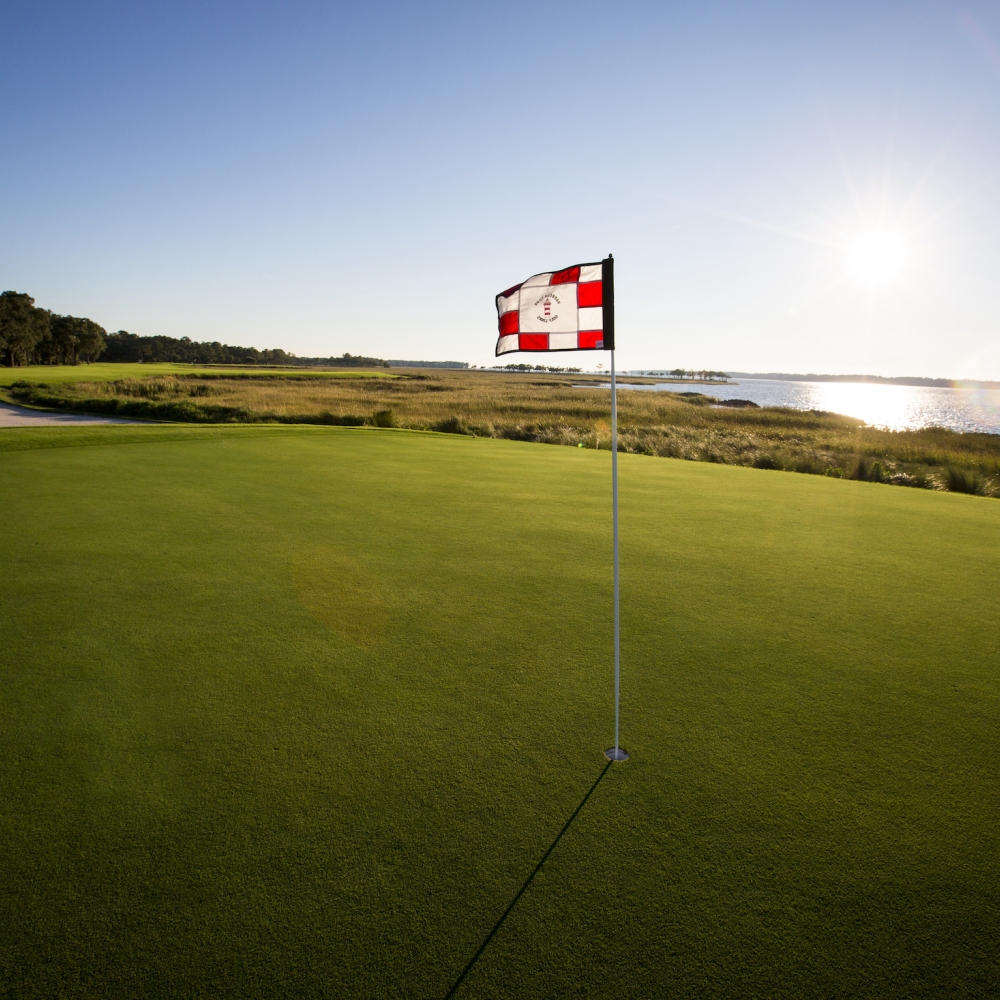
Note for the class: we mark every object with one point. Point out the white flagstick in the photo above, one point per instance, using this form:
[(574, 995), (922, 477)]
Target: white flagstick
[(616, 752)]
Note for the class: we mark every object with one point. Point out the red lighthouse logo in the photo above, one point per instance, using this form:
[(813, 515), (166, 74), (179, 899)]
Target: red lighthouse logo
[(546, 301)]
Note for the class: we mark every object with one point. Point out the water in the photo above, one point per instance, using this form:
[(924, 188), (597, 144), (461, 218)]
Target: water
[(896, 407)]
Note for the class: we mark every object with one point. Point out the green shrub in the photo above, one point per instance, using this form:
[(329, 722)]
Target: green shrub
[(333, 419), (878, 473), (961, 480), (873, 472), (453, 425), (384, 418), (739, 403)]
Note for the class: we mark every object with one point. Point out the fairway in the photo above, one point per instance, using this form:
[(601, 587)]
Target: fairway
[(102, 371), (297, 711)]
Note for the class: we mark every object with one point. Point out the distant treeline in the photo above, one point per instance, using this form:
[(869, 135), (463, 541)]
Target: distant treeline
[(533, 368), (128, 347), (30, 335), (702, 375), (123, 346), (344, 361), (941, 383)]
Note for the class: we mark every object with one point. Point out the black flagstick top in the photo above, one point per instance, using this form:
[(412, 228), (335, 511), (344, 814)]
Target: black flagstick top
[(608, 280)]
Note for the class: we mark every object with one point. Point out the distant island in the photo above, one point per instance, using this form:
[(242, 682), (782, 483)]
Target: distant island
[(941, 383)]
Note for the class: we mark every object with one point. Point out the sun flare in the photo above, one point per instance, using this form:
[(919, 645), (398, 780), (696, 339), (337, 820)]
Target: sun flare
[(877, 258)]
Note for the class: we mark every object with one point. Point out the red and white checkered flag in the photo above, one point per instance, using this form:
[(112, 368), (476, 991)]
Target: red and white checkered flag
[(568, 310)]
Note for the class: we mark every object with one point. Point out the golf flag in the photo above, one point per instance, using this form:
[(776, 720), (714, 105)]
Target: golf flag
[(572, 310), (568, 310)]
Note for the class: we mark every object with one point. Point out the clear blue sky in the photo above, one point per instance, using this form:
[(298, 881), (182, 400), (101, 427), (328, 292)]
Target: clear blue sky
[(365, 177)]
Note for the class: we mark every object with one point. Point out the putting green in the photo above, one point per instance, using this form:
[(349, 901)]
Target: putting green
[(297, 712)]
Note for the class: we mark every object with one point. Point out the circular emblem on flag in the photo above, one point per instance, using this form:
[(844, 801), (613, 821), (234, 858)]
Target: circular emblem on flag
[(546, 304)]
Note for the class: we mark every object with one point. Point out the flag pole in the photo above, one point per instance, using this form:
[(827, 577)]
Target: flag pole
[(615, 752)]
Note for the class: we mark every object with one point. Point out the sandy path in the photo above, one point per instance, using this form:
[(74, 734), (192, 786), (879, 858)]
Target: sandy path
[(15, 416)]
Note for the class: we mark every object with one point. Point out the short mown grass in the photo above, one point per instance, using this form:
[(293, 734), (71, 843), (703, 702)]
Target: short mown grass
[(296, 711), (102, 371)]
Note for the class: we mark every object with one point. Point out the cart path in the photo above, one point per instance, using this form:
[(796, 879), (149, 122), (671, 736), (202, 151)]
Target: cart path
[(16, 416)]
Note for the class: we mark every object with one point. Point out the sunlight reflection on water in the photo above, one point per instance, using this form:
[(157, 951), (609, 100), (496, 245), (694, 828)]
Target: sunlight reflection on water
[(896, 407)]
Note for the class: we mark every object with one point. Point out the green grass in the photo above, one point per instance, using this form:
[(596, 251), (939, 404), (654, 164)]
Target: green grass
[(103, 372), (295, 712)]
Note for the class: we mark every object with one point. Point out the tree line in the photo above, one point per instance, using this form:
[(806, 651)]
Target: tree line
[(129, 347), (703, 375), (30, 335), (533, 368)]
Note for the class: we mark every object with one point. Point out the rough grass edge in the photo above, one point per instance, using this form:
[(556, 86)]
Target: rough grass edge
[(951, 479)]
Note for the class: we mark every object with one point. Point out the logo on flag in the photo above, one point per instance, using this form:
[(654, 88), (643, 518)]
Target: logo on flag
[(567, 310), (546, 302)]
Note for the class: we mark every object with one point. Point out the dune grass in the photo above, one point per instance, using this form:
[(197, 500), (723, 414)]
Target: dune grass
[(297, 712), (550, 409)]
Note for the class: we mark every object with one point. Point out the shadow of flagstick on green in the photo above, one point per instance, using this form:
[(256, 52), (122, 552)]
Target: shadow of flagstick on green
[(506, 913)]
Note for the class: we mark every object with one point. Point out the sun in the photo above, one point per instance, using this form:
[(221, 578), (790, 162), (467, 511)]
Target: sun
[(877, 258)]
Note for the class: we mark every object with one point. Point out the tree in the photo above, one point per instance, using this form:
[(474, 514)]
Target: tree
[(22, 326), (90, 340), (64, 338), (45, 349), (74, 337)]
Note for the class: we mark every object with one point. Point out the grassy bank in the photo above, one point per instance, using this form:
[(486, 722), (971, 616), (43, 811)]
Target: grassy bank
[(548, 409), (297, 711)]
